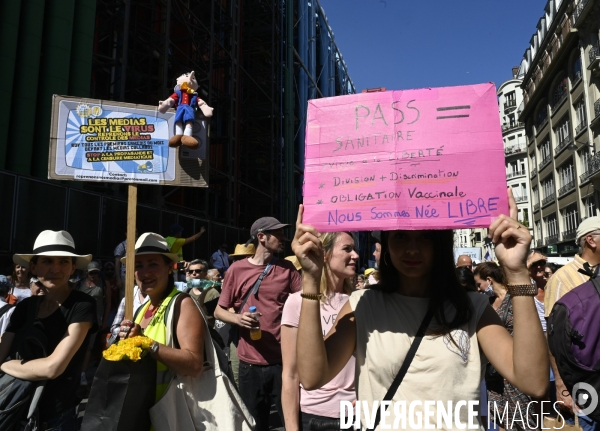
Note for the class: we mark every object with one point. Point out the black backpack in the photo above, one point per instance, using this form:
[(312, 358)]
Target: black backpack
[(574, 341), (19, 398)]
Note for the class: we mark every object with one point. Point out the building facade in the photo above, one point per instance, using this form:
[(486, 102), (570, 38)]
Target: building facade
[(510, 104), (258, 62), (560, 90)]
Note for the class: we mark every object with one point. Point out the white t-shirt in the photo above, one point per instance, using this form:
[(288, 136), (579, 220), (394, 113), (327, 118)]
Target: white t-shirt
[(442, 370), (5, 318), (21, 293), (324, 401), (539, 306)]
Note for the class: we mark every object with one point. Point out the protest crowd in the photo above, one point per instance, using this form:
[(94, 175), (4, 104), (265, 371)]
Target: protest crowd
[(297, 335)]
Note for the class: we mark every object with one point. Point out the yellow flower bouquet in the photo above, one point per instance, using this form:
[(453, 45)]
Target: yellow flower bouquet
[(130, 349)]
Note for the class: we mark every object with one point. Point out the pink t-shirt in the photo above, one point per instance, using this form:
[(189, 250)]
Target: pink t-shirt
[(326, 400), (281, 281)]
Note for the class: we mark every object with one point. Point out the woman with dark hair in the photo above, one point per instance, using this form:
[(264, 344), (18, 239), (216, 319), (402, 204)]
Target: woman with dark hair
[(65, 317), (418, 282), (154, 275), (465, 278), (500, 390), (489, 279)]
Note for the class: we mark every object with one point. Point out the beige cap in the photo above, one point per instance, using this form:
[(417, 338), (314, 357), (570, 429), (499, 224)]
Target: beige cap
[(589, 225)]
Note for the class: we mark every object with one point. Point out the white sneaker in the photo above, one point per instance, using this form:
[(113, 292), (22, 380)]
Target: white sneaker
[(83, 381)]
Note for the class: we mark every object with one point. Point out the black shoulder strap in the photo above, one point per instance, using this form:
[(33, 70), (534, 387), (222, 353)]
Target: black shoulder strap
[(4, 309), (405, 365), (257, 283), (589, 270)]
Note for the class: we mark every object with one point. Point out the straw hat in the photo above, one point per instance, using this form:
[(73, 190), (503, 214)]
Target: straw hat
[(369, 271), (242, 250), (152, 243), (53, 243), (295, 261)]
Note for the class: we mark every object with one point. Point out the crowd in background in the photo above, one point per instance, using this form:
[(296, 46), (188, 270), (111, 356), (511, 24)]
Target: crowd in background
[(262, 358)]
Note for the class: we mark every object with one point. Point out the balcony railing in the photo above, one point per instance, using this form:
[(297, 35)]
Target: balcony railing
[(580, 127), (592, 166), (510, 103), (570, 234), (533, 172), (578, 10), (545, 162), (514, 149), (594, 54), (596, 109), (521, 198), (552, 239), (536, 208), (566, 140), (548, 200), (514, 174), (566, 188), (507, 127), (559, 99)]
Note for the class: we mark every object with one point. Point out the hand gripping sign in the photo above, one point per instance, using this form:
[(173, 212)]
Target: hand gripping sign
[(415, 159)]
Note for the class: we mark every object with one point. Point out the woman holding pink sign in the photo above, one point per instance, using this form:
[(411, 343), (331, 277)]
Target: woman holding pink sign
[(418, 337)]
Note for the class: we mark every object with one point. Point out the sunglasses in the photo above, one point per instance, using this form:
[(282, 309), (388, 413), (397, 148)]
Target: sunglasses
[(539, 262), (547, 274), (93, 272), (195, 271)]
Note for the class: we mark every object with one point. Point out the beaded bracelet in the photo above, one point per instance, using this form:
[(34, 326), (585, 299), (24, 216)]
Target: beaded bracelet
[(312, 296), (522, 289)]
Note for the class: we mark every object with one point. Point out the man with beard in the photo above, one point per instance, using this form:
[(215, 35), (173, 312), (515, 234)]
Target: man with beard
[(260, 359)]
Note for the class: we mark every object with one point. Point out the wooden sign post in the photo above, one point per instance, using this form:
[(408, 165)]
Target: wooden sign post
[(130, 252)]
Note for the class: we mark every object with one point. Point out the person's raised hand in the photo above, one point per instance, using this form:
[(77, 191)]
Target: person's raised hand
[(307, 247), (511, 238)]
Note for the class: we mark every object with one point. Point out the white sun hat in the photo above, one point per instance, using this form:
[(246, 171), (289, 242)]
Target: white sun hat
[(153, 243), (53, 243)]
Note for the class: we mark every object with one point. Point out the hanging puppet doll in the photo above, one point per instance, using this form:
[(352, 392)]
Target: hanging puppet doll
[(186, 100)]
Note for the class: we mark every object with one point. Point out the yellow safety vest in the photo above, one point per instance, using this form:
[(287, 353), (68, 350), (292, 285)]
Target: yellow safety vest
[(170, 242), (157, 331)]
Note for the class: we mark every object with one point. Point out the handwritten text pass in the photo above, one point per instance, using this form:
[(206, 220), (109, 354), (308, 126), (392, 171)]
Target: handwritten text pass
[(414, 159)]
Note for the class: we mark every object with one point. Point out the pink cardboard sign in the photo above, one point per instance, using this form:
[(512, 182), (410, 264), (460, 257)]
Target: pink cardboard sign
[(415, 159)]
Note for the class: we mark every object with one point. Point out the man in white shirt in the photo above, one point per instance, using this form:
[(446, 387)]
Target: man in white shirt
[(6, 309)]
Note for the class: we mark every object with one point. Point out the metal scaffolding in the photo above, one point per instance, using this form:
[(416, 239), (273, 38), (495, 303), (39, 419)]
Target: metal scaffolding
[(259, 62)]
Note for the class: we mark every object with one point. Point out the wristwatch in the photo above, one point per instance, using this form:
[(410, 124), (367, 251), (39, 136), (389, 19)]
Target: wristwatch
[(154, 347)]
